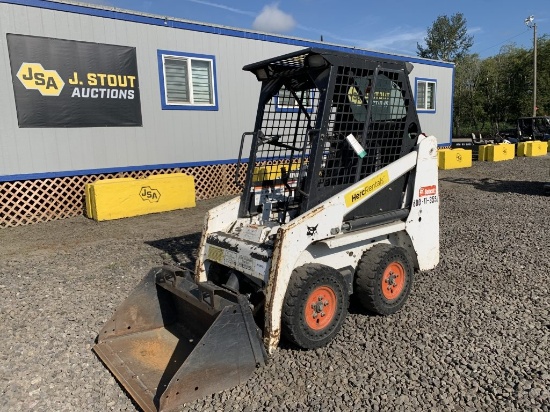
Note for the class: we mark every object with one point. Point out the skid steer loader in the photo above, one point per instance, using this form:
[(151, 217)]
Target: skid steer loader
[(340, 197)]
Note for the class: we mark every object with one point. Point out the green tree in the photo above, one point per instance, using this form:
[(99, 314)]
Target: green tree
[(492, 84), (467, 103), (447, 39), (490, 94), (543, 75), (511, 69)]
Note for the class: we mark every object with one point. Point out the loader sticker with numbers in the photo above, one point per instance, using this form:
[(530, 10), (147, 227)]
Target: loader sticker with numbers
[(426, 195)]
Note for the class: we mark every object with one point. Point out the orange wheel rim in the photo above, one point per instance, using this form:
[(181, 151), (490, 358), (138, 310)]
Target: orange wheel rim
[(393, 281), (320, 307)]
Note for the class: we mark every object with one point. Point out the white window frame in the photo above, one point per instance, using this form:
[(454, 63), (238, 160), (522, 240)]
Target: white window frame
[(295, 107), (422, 107), (188, 58)]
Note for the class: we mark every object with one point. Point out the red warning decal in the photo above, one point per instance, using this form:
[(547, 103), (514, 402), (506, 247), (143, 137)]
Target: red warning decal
[(428, 191)]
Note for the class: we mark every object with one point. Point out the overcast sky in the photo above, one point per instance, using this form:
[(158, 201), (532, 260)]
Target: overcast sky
[(394, 26)]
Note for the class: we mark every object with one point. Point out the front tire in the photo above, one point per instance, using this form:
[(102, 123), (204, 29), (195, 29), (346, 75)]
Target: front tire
[(384, 279), (315, 306)]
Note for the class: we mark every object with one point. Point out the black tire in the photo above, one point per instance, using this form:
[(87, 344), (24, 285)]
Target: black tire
[(325, 286), (383, 279)]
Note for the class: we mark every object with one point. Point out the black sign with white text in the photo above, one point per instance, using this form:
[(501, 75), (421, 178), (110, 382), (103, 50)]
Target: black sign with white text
[(65, 83)]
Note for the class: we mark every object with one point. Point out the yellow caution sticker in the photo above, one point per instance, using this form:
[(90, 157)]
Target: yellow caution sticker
[(367, 188), (215, 254)]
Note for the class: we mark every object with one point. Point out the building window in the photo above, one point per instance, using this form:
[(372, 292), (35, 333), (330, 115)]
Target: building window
[(425, 95), (187, 81), (285, 101)]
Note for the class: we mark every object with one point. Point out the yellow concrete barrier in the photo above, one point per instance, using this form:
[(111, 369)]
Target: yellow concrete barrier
[(272, 172), (440, 155), (522, 148), (483, 152), (90, 205), (454, 158), (500, 152), (536, 148), (126, 197)]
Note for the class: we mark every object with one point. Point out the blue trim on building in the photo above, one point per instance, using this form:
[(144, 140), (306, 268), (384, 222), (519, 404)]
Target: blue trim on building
[(425, 79), (83, 172), (452, 105), (206, 28), (203, 28), (164, 104)]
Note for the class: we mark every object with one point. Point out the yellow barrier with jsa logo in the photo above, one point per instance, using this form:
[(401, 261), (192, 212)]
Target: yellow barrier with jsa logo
[(531, 149), (454, 158), (127, 197), (500, 152)]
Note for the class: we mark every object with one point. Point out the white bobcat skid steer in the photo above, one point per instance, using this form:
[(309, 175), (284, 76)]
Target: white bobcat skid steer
[(340, 196)]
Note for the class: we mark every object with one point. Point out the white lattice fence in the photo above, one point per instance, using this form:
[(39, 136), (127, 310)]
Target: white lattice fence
[(32, 201)]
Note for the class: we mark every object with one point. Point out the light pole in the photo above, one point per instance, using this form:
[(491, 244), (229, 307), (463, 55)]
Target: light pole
[(532, 25)]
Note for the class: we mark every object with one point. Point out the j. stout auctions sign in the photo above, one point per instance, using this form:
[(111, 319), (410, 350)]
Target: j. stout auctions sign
[(64, 83)]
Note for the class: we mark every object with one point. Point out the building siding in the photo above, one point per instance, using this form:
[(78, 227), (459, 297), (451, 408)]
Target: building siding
[(167, 137)]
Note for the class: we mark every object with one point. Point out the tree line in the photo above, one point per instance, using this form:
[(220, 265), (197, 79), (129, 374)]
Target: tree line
[(490, 94)]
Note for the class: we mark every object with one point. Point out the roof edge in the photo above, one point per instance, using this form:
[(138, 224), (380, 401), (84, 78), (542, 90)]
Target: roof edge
[(178, 23)]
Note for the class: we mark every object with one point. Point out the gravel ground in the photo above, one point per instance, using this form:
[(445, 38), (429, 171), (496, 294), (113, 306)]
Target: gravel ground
[(473, 336)]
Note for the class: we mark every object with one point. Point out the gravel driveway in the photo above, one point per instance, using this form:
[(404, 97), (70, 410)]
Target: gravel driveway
[(473, 336)]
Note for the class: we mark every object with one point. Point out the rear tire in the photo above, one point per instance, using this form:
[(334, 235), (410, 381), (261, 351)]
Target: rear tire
[(383, 279), (315, 306)]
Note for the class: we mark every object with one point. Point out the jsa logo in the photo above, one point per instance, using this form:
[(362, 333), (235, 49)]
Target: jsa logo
[(150, 194), (35, 77)]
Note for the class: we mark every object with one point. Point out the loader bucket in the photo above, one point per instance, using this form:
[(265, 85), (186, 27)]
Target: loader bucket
[(173, 341)]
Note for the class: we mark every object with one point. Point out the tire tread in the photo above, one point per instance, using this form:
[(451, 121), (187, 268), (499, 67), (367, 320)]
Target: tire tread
[(367, 280), (291, 321)]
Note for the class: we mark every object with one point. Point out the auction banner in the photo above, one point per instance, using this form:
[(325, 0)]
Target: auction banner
[(66, 83)]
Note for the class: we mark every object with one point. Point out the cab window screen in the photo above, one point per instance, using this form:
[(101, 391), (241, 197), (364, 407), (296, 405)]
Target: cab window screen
[(387, 101)]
